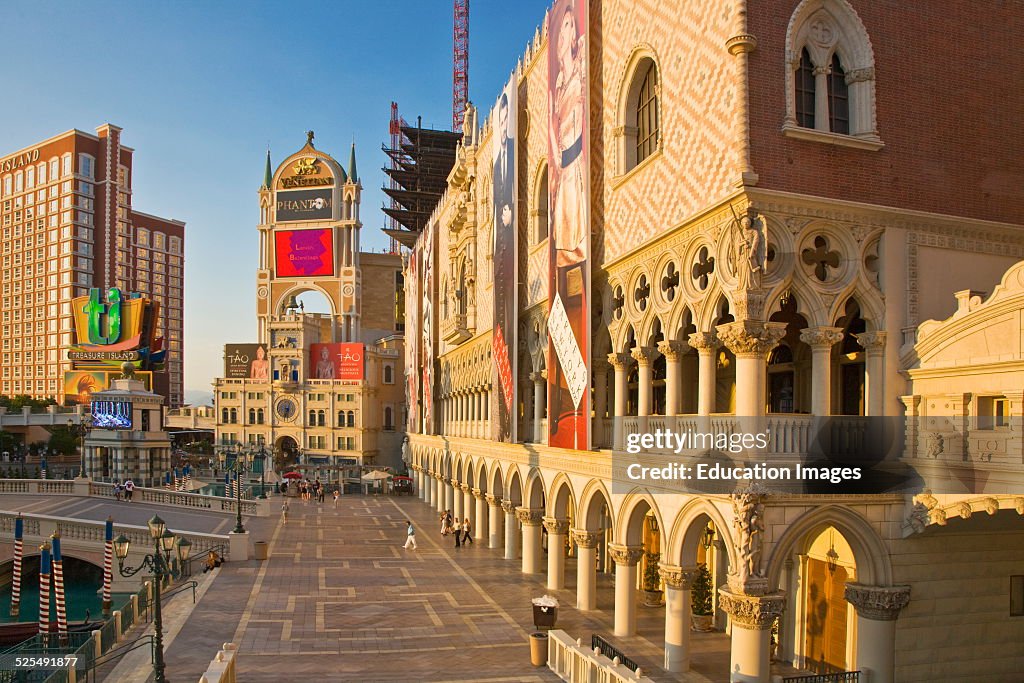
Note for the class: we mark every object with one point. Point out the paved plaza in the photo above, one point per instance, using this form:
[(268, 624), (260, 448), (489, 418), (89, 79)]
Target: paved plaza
[(340, 599)]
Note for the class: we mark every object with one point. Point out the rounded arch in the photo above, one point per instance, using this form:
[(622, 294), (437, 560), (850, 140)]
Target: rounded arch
[(299, 288), (515, 486), (869, 551), (629, 525), (497, 482), (688, 528), (534, 491), (561, 496), (594, 501)]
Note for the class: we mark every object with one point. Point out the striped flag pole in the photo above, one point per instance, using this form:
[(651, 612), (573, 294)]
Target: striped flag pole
[(108, 564), (19, 532), (43, 468), (58, 586), (167, 480), (44, 591)]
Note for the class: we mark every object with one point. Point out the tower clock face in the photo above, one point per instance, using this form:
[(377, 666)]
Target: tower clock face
[(286, 409)]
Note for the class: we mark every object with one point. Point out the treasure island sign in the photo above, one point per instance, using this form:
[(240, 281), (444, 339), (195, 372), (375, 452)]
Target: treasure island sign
[(19, 160)]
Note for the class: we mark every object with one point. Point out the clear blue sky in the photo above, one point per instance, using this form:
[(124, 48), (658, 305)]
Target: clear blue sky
[(201, 89)]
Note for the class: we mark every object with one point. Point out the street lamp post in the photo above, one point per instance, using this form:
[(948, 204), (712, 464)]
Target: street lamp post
[(238, 467), (159, 563), (80, 431)]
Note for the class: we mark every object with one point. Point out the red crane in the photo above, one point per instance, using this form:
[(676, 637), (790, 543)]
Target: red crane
[(460, 63)]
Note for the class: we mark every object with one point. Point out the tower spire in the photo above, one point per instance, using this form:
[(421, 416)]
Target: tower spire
[(268, 172), (352, 165)]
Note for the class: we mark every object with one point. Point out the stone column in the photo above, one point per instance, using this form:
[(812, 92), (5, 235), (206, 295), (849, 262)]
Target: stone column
[(444, 499), (538, 406), (600, 403), (626, 558), (750, 341), (877, 609), (706, 344), (677, 616), (586, 569), (751, 617), (421, 492), (740, 46), (874, 371), (557, 529), (531, 521), (449, 495), (672, 351), (643, 356), (619, 363), (511, 530), (494, 520), (467, 504), (428, 488), (821, 340), (456, 508), (480, 523)]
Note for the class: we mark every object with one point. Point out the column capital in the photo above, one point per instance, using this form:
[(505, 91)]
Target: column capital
[(449, 480), (492, 500), (677, 577), (584, 538), (879, 603), (754, 612), (671, 349), (821, 337), (704, 341), (619, 361), (556, 526), (508, 506), (529, 516), (465, 488), (478, 494), (625, 554), (871, 341), (643, 355), (537, 377), (751, 337), (741, 44)]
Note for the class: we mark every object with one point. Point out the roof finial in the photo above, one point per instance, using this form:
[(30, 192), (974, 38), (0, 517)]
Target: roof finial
[(309, 137)]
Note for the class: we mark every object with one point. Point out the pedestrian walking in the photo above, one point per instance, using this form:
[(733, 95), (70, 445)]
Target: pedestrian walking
[(444, 523), (410, 536), (284, 512), (337, 495), (458, 536), (117, 490), (467, 528), (129, 488)]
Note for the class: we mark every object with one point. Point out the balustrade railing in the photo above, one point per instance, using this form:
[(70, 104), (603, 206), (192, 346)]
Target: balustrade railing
[(838, 677), (571, 661)]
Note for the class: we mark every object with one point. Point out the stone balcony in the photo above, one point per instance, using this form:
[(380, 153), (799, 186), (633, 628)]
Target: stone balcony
[(455, 329)]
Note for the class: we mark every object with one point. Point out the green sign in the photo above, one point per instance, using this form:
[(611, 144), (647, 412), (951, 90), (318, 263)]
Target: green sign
[(95, 309)]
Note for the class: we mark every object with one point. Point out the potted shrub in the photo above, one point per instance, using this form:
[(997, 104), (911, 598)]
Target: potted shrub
[(700, 600), (653, 595)]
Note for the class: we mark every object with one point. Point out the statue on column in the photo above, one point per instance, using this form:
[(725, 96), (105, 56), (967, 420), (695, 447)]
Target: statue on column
[(748, 523), (748, 252)]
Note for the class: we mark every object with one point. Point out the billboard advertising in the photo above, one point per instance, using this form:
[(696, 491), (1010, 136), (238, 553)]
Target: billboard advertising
[(304, 253), (569, 244), (246, 361), (80, 385), (428, 326), (112, 414), (503, 340), (305, 205), (337, 361), (412, 303)]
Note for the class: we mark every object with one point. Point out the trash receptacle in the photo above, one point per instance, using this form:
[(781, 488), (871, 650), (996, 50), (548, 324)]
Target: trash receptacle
[(260, 550), (544, 616), (539, 648)]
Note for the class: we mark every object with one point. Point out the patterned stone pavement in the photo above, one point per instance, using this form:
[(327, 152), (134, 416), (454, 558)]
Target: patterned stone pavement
[(340, 599)]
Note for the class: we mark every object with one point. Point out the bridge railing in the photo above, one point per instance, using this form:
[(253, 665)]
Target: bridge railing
[(573, 662), (94, 532)]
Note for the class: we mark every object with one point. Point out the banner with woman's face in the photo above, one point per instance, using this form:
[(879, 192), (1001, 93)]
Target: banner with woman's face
[(569, 243), (505, 231)]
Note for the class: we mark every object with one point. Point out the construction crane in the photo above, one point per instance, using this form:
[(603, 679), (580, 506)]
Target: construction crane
[(460, 64)]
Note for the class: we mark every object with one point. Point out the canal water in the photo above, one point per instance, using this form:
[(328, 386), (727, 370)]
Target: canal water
[(82, 584)]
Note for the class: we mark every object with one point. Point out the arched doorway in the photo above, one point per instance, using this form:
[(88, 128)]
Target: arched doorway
[(286, 452), (829, 622)]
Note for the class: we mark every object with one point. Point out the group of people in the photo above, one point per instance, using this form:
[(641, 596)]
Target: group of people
[(451, 526), (314, 490), (124, 490)]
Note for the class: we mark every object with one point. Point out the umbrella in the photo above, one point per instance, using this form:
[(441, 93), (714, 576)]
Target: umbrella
[(376, 475), (292, 475)]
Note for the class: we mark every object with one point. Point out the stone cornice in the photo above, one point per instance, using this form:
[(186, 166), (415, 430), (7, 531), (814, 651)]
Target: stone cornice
[(879, 603)]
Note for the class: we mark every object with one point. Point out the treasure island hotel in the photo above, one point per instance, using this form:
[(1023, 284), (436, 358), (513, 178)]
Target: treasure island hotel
[(68, 226)]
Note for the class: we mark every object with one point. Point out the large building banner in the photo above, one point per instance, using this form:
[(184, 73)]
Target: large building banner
[(427, 239), (412, 317), (506, 234), (338, 361), (569, 188)]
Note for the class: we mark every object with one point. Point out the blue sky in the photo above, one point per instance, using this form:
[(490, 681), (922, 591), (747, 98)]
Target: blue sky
[(201, 89)]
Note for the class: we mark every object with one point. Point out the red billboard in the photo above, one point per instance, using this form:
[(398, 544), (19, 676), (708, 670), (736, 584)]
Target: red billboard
[(337, 361), (304, 253)]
